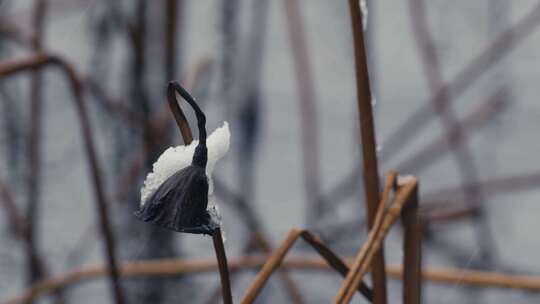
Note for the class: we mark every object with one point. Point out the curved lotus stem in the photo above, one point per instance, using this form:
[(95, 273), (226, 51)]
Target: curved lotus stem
[(200, 156)]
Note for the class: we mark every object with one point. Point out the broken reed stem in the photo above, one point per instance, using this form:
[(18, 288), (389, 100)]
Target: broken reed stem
[(374, 241), (271, 264), (175, 267), (42, 60), (369, 145), (292, 289), (276, 259), (217, 239), (347, 284), (412, 248), (307, 102)]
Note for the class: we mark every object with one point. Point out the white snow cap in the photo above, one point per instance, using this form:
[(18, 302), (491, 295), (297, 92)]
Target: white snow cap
[(176, 158)]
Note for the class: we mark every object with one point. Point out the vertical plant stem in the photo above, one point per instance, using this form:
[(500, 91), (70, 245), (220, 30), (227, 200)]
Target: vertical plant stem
[(308, 110), (367, 131), (412, 259), (223, 268), (35, 270)]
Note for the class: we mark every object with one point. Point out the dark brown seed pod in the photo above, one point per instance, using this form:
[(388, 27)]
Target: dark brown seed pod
[(181, 201)]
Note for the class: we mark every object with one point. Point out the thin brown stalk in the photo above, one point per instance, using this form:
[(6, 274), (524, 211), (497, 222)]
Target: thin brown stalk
[(412, 248), (368, 145), (41, 60), (262, 242), (377, 225), (222, 265), (375, 240), (308, 111), (276, 259)]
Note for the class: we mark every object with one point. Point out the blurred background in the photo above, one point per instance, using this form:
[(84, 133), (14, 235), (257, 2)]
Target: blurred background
[(455, 86)]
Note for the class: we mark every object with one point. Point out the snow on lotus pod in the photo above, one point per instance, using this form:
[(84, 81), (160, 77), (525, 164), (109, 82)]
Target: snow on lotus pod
[(176, 158), (175, 194)]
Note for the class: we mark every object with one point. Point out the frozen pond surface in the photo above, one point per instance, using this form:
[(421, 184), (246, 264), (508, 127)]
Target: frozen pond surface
[(507, 146)]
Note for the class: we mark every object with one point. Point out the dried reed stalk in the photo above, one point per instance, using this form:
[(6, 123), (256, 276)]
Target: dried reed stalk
[(412, 248), (276, 259), (383, 222), (390, 181), (368, 146)]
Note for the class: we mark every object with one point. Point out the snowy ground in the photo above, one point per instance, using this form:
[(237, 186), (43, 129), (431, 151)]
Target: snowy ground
[(506, 147)]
